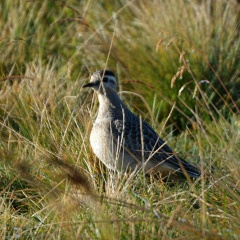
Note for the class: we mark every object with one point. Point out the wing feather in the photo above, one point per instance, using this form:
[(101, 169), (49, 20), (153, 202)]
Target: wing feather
[(135, 133)]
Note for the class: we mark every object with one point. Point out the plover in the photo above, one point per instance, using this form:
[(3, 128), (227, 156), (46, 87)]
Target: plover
[(122, 141)]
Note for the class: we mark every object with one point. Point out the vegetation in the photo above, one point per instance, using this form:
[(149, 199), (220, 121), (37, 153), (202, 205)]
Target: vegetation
[(177, 64)]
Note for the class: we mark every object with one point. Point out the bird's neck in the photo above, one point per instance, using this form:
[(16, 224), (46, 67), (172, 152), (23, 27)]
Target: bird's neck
[(110, 105)]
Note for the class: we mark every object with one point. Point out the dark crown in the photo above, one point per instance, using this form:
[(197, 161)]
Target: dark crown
[(105, 72)]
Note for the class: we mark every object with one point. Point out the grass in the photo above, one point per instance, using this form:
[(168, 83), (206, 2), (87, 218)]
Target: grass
[(51, 185)]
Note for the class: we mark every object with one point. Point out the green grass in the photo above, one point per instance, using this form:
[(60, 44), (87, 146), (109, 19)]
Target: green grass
[(51, 184)]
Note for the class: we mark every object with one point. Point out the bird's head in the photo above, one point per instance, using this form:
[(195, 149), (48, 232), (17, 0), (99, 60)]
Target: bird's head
[(101, 81)]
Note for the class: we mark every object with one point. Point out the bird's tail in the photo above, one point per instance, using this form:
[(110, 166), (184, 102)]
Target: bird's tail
[(188, 168)]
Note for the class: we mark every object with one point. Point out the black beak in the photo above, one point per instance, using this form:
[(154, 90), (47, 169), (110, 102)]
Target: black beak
[(91, 84)]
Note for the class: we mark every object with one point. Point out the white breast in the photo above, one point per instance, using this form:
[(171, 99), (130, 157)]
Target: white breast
[(102, 144)]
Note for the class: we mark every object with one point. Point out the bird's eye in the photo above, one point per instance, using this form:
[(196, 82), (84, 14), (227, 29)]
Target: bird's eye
[(105, 79)]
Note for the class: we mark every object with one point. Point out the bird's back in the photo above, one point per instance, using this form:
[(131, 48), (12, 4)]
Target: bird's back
[(146, 147)]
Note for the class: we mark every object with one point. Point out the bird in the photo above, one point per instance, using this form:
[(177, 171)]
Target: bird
[(125, 142)]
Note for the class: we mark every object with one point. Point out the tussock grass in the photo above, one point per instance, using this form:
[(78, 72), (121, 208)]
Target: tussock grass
[(51, 184)]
